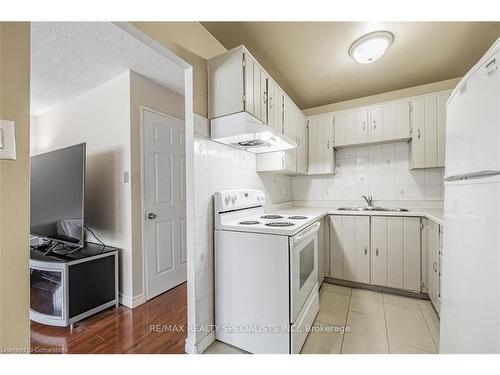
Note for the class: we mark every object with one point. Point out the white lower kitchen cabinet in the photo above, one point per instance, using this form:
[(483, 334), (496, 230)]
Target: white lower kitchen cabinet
[(395, 256), (379, 250), (412, 253), (349, 248), (434, 248), (383, 251), (321, 251)]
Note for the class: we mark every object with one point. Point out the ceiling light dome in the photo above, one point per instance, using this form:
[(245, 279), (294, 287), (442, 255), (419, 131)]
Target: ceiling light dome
[(371, 47)]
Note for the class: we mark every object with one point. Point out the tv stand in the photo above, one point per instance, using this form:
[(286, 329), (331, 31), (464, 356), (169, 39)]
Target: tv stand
[(66, 288)]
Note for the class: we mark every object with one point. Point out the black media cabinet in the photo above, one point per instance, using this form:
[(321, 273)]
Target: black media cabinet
[(66, 288)]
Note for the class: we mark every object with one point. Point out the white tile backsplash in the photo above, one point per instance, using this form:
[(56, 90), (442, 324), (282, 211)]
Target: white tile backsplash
[(378, 170)]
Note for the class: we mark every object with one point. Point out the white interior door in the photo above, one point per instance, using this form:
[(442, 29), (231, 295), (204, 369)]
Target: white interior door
[(164, 202)]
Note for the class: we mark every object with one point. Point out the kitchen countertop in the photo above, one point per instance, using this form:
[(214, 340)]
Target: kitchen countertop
[(432, 214)]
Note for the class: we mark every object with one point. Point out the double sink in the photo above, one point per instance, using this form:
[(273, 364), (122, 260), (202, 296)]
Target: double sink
[(372, 208)]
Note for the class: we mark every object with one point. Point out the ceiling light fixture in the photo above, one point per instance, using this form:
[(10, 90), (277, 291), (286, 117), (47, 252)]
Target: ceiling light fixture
[(371, 47)]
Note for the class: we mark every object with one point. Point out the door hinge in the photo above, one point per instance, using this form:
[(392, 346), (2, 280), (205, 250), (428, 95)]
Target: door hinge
[(244, 97), (421, 225)]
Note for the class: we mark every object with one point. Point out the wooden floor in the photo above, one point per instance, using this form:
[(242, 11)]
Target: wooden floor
[(158, 326)]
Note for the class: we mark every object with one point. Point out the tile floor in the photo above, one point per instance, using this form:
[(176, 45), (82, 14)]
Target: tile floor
[(366, 322)]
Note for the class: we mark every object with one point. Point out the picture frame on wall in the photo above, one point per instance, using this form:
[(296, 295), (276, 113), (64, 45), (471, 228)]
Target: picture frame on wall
[(7, 140)]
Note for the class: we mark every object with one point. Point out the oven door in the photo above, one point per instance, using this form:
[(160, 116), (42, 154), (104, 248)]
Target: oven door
[(303, 267)]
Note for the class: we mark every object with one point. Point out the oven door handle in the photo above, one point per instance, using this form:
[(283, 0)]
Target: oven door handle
[(298, 239)]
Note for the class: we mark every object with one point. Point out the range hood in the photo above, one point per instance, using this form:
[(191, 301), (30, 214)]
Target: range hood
[(244, 131)]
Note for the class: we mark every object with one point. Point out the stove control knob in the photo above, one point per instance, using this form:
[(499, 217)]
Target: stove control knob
[(233, 199), (227, 199)]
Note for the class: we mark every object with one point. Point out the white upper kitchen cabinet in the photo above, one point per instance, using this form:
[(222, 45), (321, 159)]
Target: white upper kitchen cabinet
[(385, 122), (226, 84), (275, 99), (362, 126), (428, 122), (291, 161), (302, 143), (321, 152), (236, 83), (255, 88), (390, 122), (345, 128)]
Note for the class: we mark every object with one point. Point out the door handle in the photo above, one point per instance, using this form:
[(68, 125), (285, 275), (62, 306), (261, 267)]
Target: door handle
[(376, 252), (374, 124), (315, 228), (418, 133), (151, 216), (434, 266), (366, 250)]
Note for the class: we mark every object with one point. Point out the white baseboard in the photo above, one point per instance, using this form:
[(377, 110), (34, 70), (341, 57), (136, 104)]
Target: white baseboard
[(132, 302), (192, 348)]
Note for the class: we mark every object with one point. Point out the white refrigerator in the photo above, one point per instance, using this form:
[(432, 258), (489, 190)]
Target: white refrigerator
[(470, 291)]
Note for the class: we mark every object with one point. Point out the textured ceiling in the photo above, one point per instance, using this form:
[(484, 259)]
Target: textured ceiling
[(310, 60), (70, 58)]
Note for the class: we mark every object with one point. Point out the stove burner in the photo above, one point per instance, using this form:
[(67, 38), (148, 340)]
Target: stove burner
[(280, 224), (298, 217), (249, 222), (272, 217)]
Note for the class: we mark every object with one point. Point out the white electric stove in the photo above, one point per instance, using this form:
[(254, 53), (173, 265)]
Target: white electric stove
[(266, 267)]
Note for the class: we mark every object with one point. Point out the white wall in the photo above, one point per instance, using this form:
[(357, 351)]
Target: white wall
[(378, 170), (101, 118), (219, 167)]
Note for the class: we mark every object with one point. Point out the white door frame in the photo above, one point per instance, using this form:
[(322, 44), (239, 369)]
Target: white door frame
[(142, 109), (191, 345)]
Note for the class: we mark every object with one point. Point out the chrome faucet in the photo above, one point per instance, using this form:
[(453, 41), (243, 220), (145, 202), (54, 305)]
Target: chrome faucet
[(369, 200)]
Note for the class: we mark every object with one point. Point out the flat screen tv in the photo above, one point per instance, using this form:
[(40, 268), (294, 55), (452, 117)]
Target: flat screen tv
[(58, 195)]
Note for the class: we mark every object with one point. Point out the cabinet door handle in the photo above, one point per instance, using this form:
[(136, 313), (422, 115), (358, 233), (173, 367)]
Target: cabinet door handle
[(328, 145), (434, 266), (418, 133), (366, 250), (374, 124), (265, 97), (376, 252)]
